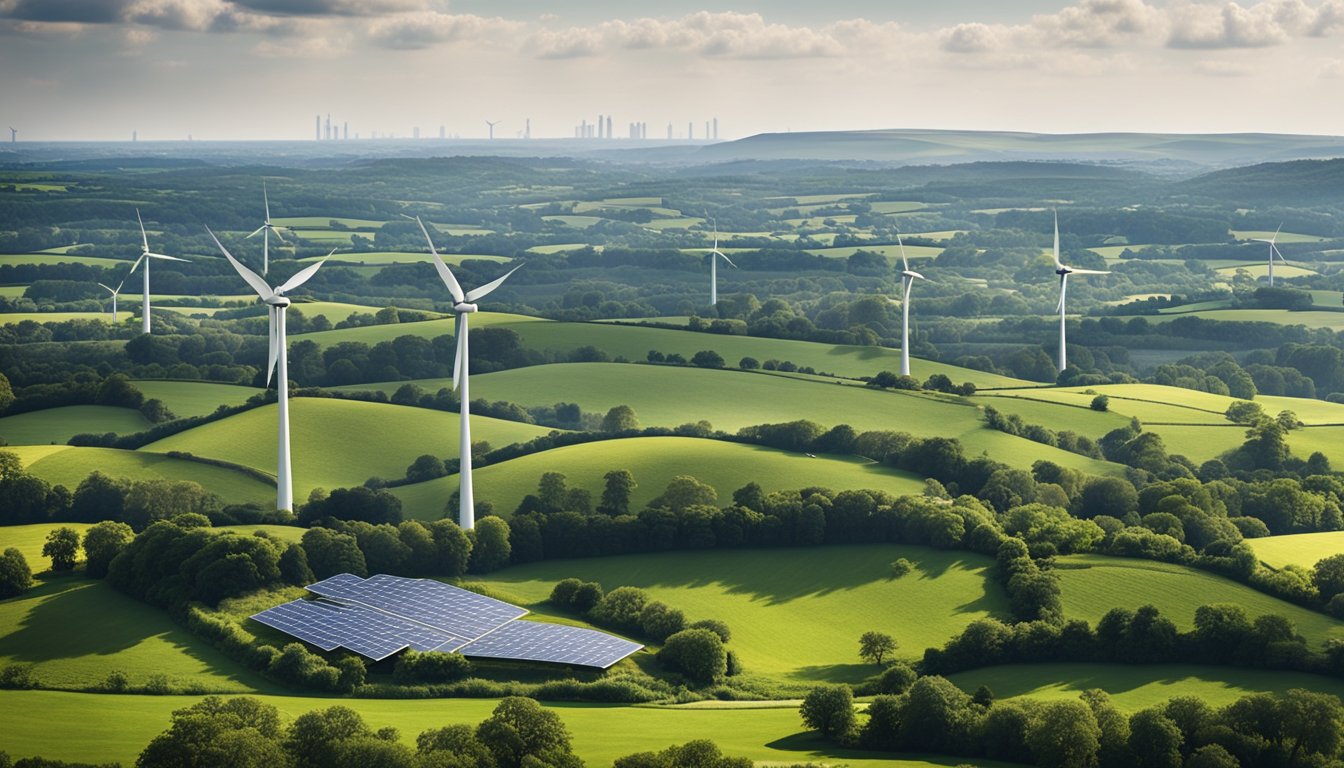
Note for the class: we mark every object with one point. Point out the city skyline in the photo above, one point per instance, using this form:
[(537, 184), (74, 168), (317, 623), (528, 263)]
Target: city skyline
[(261, 69)]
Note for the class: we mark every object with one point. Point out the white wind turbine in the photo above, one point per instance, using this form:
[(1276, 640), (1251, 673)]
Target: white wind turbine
[(145, 256), (492, 125), (908, 277), (277, 360), (1064, 273), (265, 230), (714, 255), (462, 307), (1273, 251), (114, 292)]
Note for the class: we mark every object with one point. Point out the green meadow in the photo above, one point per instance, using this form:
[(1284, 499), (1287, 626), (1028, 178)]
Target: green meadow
[(372, 334), (324, 222), (1093, 584), (338, 443), (1282, 237), (1304, 549), (14, 318), (105, 262), (383, 258), (1201, 443), (892, 252), (29, 539), (57, 425), (195, 398), (67, 465), (654, 461)]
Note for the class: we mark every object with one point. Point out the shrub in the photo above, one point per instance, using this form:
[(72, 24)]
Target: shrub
[(1101, 403), (18, 677), (621, 608), (713, 625), (896, 679), (829, 709), (15, 575), (900, 567), (696, 653), (659, 622), (416, 667)]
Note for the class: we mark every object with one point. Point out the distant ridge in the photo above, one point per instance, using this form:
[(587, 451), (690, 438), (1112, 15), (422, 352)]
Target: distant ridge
[(1298, 181), (917, 146)]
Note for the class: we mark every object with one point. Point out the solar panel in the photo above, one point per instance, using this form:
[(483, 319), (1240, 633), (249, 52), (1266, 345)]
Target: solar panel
[(381, 615), (557, 643)]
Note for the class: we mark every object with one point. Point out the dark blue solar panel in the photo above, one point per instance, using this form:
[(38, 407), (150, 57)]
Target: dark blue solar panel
[(447, 608), (557, 643), (366, 632)]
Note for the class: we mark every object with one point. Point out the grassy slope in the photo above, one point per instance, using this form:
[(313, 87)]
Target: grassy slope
[(1093, 584), (1303, 549), (1203, 443), (796, 613), (195, 398), (339, 443), (383, 258), (654, 461), (728, 399), (372, 334), (57, 425), (30, 538), (67, 466), (601, 733), (75, 631)]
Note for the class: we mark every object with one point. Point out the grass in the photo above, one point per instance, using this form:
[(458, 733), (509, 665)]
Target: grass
[(1200, 444), (324, 222), (383, 258), (796, 614), (1262, 270), (1093, 584), (14, 318), (654, 461), (372, 334), (74, 631), (339, 443), (32, 259), (195, 398), (67, 465), (1138, 686), (1283, 237), (57, 425), (117, 727), (29, 539), (1304, 549), (1150, 403), (577, 222), (892, 252), (336, 311)]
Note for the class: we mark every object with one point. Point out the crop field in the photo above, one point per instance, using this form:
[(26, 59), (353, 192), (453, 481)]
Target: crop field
[(1138, 686), (117, 727), (372, 334), (57, 425), (1093, 584), (67, 465), (796, 614), (195, 398), (383, 258), (74, 631), (654, 461), (557, 248), (1304, 549), (339, 443)]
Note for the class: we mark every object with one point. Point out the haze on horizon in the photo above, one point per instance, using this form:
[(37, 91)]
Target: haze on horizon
[(261, 69)]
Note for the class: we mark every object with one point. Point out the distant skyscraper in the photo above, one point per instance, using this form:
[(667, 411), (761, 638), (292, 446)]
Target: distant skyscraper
[(527, 128), (415, 132), (690, 130), (317, 130), (610, 135), (716, 129), (328, 127), (345, 130), (669, 131), (441, 132), (135, 135)]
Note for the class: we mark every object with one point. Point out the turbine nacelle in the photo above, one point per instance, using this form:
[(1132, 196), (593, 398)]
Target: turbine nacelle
[(912, 275), (276, 301), (464, 308)]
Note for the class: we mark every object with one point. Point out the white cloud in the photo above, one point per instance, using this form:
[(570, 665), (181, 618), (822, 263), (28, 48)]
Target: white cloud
[(1226, 26), (1333, 69), (412, 31)]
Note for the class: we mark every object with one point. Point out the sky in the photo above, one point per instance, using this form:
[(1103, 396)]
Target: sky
[(262, 69)]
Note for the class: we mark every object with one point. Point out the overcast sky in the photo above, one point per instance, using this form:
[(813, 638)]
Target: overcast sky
[(261, 69)]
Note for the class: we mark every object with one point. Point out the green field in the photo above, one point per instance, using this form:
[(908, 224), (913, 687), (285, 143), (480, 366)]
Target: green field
[(797, 613), (57, 425), (1304, 549), (195, 398), (383, 258), (60, 258), (1093, 584), (577, 222), (654, 461), (324, 222), (117, 727), (66, 465), (1262, 270), (14, 318), (336, 311), (1283, 237), (339, 443), (892, 252), (29, 539), (1138, 686), (1200, 444), (372, 334)]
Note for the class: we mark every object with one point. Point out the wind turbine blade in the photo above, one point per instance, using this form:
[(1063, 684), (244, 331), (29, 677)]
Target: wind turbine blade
[(1275, 251), (267, 200), (164, 256), (1058, 264), (303, 275), (916, 274), (262, 288), (273, 351), (276, 231), (724, 256), (144, 238), (905, 265), (1063, 286), (104, 287), (1275, 238), (137, 263), (258, 231), (454, 287), (458, 333), (1091, 271), (484, 290), (123, 282)]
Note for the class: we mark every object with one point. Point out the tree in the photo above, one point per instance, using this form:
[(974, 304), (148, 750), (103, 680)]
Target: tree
[(1112, 496), (1212, 756), (452, 548), (620, 483), (490, 548), (519, 729), (620, 418), (315, 737), (696, 653), (102, 542), (1328, 576), (15, 576), (874, 646), (6, 393), (1065, 735), (707, 358), (425, 467), (1244, 412), (63, 548), (829, 709), (454, 746), (1101, 403), (749, 363), (330, 553), (621, 608), (685, 491), (1154, 740), (701, 753), (241, 732)]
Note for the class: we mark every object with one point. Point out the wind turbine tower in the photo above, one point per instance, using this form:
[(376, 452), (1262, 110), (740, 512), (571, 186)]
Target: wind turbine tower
[(114, 292), (492, 128), (146, 256), (1064, 272), (277, 360), (463, 306), (527, 128), (908, 278), (1273, 251), (13, 135), (714, 255)]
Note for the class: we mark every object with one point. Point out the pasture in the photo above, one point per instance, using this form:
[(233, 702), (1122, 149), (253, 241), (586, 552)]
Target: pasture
[(1283, 237), (384, 258), (57, 425), (654, 461), (892, 252), (29, 539), (1262, 271), (14, 318), (1093, 584), (338, 443), (1200, 444), (32, 259), (68, 465), (372, 334), (195, 398), (1304, 549)]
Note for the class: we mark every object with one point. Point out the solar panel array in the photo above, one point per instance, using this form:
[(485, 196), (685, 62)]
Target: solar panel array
[(381, 615)]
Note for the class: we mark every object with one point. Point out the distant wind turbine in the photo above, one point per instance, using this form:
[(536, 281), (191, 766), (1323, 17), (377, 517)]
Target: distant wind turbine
[(714, 255), (908, 278), (492, 127), (463, 306), (1064, 273), (277, 359), (146, 256), (265, 231), (1273, 251), (13, 134), (114, 292)]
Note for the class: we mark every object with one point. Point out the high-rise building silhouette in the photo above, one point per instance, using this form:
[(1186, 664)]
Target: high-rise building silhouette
[(609, 133), (317, 129), (716, 129), (690, 130), (345, 130)]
